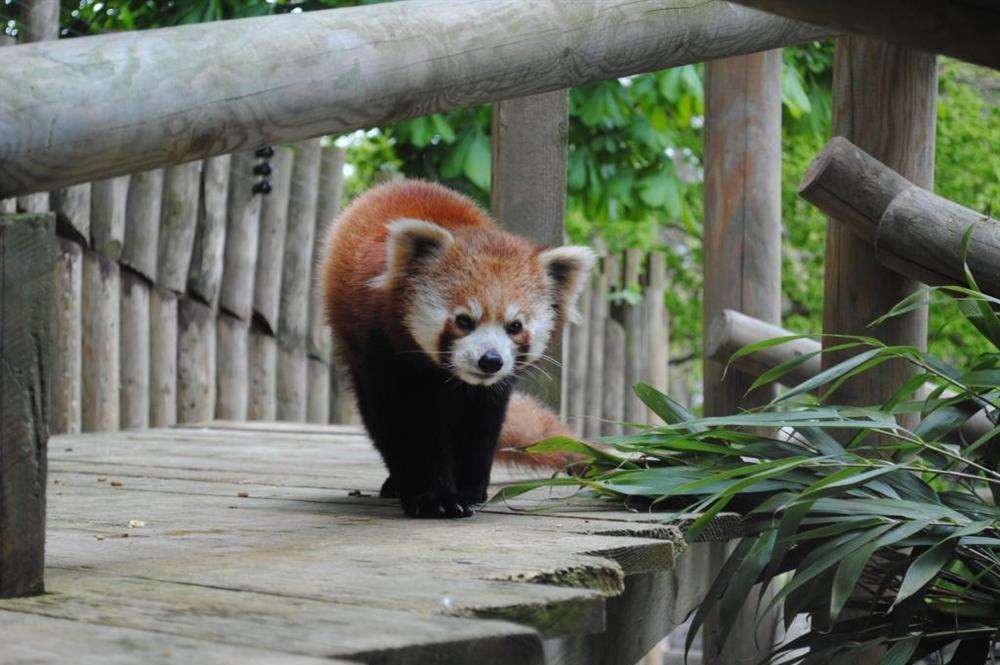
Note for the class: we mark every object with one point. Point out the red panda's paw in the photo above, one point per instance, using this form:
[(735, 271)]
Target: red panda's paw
[(436, 505)]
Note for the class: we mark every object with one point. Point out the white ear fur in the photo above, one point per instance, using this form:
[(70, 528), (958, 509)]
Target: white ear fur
[(410, 241), (568, 267)]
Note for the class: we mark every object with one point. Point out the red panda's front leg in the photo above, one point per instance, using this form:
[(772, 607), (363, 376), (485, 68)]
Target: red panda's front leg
[(482, 415)]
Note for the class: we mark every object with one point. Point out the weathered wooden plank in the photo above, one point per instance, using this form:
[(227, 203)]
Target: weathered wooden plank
[(179, 217), (296, 268), (578, 364), (100, 343), (635, 350), (142, 222), (162, 358), (243, 217), (319, 343), (271, 243), (262, 402), (291, 384), (528, 196), (657, 327), (205, 271), (317, 391), (26, 259), (595, 368), (232, 380), (884, 102), (72, 208), (353, 68), (135, 351), (966, 30), (108, 199), (67, 335), (196, 348)]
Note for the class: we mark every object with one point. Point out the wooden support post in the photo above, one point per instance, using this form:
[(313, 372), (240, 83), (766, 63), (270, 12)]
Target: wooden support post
[(578, 364), (181, 185), (657, 328), (205, 271), (243, 216), (100, 338), (884, 101), (108, 201), (318, 393), (263, 365), (595, 369), (271, 244), (162, 358), (26, 248), (135, 330), (195, 361), (319, 342), (142, 223), (72, 208), (529, 193), (232, 381), (613, 385), (292, 383), (66, 337), (635, 351), (742, 255), (39, 23)]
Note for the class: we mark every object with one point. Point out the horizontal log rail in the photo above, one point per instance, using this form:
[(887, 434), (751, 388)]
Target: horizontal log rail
[(730, 331), (965, 29), (915, 232), (84, 109)]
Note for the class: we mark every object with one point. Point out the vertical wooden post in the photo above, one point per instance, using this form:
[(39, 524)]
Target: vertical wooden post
[(595, 369), (134, 384), (529, 191), (232, 384), (39, 23), (318, 394), (7, 205), (26, 246), (100, 338), (242, 219), (72, 208), (108, 201), (578, 364), (884, 101), (271, 243), (195, 361), (613, 386), (177, 226), (163, 358), (331, 190), (142, 223), (263, 357), (742, 250), (205, 271), (635, 351), (66, 337), (657, 339)]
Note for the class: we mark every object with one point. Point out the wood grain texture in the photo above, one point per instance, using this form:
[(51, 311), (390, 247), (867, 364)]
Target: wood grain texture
[(262, 376), (528, 196), (67, 333), (635, 350), (179, 218), (108, 199), (72, 208), (291, 384), (296, 265), (319, 343), (271, 241), (142, 222), (232, 357), (657, 324), (134, 350), (318, 392), (26, 259), (731, 330), (961, 29), (162, 358), (578, 363), (196, 349), (205, 271), (595, 367), (885, 103), (353, 68), (40, 21), (100, 343), (242, 219)]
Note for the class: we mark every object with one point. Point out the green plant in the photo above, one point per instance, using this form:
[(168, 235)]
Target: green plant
[(890, 537)]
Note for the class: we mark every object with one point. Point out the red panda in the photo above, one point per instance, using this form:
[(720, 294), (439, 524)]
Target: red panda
[(435, 311)]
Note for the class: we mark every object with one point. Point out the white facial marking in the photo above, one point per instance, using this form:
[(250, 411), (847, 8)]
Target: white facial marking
[(467, 351), (539, 324), (426, 318), (475, 310)]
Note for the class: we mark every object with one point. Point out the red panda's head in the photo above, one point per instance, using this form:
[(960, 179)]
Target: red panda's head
[(480, 302)]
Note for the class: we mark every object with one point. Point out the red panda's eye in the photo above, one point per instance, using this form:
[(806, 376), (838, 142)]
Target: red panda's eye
[(465, 323), (514, 327)]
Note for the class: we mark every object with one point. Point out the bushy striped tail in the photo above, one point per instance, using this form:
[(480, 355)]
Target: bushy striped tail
[(527, 423)]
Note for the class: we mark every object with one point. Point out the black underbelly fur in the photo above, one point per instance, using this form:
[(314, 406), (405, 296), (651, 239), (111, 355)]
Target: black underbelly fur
[(436, 434)]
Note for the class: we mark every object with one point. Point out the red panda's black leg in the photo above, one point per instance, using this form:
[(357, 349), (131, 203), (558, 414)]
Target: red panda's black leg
[(483, 412)]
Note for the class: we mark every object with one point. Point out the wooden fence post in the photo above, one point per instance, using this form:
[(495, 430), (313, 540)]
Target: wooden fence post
[(613, 386), (134, 347), (271, 244), (66, 337), (39, 23), (108, 201), (163, 358), (242, 223), (179, 218), (296, 273), (742, 254), (205, 271), (72, 208), (318, 391), (884, 102), (595, 367), (657, 326), (233, 363), (101, 322), (196, 347), (635, 350), (529, 194), (578, 364), (26, 247), (142, 223), (263, 358)]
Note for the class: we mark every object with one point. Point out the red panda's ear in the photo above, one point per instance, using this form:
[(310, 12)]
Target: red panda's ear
[(411, 242), (568, 267)]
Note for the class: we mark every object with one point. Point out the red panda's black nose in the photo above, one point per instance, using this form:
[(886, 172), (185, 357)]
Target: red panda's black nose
[(490, 362)]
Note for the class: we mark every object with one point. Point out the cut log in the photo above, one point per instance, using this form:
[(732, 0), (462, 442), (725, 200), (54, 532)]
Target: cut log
[(66, 337), (730, 331), (181, 185), (232, 383), (236, 294), (319, 343), (263, 366), (271, 245), (205, 271), (108, 199), (26, 259), (296, 269), (196, 349), (72, 208), (292, 384), (318, 392), (657, 328), (162, 358), (142, 222), (100, 338), (333, 71), (959, 28), (134, 396)]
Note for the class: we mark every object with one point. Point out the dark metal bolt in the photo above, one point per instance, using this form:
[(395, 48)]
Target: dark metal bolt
[(262, 187), (264, 168), (265, 153)]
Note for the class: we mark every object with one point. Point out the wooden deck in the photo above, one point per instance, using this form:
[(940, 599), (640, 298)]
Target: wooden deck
[(266, 543)]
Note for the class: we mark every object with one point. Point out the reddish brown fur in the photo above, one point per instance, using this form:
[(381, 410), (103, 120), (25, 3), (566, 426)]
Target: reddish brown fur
[(527, 423)]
